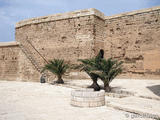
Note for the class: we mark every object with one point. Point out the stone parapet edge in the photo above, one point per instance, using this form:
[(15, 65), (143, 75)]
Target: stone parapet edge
[(8, 44), (133, 13), (61, 16)]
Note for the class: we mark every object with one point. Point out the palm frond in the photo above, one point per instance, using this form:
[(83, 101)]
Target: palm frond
[(56, 66), (110, 69)]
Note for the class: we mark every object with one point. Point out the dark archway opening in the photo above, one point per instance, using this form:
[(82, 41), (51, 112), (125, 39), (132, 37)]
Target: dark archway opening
[(101, 53)]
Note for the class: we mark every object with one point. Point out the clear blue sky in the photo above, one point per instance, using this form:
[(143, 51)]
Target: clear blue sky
[(12, 11)]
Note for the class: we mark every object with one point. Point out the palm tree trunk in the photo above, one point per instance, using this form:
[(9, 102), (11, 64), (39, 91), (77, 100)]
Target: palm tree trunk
[(60, 80), (107, 87), (95, 85)]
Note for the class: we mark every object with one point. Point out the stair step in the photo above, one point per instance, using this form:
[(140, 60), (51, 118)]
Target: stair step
[(28, 53)]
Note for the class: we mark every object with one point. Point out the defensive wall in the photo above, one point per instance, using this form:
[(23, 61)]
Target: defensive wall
[(133, 37), (14, 65)]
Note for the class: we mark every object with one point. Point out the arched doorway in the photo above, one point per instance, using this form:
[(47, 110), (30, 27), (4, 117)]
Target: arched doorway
[(101, 53)]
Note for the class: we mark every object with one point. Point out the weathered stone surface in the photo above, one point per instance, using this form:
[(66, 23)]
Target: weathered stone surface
[(132, 37), (15, 65), (61, 16), (70, 39), (9, 60)]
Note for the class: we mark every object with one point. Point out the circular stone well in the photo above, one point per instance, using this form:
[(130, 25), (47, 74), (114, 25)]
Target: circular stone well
[(87, 98)]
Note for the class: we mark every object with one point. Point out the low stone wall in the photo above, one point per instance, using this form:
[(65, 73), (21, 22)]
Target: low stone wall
[(9, 60), (14, 65), (87, 98)]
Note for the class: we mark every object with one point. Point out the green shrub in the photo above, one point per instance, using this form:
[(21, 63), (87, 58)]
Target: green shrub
[(58, 68), (90, 66), (108, 70)]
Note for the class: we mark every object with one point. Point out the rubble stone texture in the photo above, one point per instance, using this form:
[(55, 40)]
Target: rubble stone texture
[(132, 37), (14, 64)]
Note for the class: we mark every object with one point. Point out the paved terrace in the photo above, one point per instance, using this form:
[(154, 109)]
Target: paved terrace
[(35, 101)]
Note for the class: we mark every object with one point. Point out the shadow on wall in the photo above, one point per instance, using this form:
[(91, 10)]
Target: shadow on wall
[(155, 89)]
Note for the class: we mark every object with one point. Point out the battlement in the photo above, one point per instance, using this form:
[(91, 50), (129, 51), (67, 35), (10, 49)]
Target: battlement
[(133, 12), (60, 16), (8, 44)]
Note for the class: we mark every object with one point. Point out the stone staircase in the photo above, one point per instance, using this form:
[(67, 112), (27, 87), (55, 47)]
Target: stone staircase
[(33, 61), (33, 55)]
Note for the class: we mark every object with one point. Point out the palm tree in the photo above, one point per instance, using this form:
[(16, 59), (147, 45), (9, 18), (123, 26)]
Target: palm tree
[(109, 69), (57, 67), (89, 66)]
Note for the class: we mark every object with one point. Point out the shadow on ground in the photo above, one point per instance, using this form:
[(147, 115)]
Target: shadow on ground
[(155, 89)]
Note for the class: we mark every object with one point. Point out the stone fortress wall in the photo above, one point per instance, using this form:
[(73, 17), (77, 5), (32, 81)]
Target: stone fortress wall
[(9, 58), (132, 37), (135, 38), (14, 64)]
